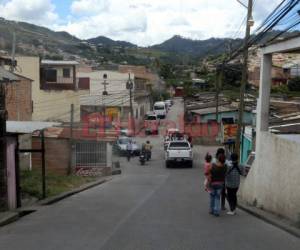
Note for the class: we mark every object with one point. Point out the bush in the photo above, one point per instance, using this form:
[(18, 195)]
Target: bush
[(294, 84), (283, 89), (156, 95)]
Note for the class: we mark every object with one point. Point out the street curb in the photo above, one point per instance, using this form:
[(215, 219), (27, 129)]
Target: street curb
[(8, 217), (51, 200), (271, 219)]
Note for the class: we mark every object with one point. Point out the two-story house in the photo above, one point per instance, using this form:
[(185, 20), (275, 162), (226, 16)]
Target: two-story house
[(55, 87)]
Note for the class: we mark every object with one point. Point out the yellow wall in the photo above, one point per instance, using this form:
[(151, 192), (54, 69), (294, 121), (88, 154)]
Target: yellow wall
[(49, 105)]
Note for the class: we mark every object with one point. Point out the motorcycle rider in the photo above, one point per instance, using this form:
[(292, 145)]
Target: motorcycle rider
[(148, 148), (129, 150)]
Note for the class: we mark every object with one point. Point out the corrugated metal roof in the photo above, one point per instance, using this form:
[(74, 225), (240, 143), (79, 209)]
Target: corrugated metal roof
[(212, 110), (53, 62), (27, 127), (7, 76)]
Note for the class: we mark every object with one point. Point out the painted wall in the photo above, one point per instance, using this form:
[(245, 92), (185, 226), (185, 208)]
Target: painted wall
[(49, 105), (248, 116), (273, 182), (116, 81), (246, 147)]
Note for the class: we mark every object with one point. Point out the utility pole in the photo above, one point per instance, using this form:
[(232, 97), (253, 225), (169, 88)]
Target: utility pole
[(12, 69), (244, 76), (71, 140), (13, 53), (129, 86), (219, 82)]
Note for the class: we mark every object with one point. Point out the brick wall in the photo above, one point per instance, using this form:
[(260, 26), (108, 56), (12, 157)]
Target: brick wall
[(57, 155), (19, 101)]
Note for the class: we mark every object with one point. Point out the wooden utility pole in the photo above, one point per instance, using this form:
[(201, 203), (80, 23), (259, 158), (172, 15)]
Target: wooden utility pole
[(130, 87), (244, 77), (219, 83)]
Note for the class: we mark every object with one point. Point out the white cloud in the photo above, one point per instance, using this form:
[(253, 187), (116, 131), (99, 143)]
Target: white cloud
[(89, 6), (142, 22), (36, 11)]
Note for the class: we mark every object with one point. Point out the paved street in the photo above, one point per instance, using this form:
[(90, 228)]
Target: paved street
[(147, 207)]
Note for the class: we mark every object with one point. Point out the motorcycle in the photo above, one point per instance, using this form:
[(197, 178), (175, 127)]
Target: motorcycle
[(142, 158)]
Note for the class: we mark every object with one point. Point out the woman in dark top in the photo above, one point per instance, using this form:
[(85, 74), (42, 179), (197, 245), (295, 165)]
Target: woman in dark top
[(234, 171), (217, 180)]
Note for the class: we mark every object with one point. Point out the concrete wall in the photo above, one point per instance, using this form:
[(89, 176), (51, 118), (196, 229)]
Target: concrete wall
[(116, 81), (273, 182), (57, 155), (49, 105)]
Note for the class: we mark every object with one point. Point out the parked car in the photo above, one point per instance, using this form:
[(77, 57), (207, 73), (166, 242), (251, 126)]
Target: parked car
[(179, 152), (151, 124), (121, 146), (160, 109)]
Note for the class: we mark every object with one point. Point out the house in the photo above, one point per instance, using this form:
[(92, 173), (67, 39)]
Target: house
[(273, 182), (200, 84), (144, 79), (109, 95), (280, 76), (55, 87), (292, 68), (206, 115)]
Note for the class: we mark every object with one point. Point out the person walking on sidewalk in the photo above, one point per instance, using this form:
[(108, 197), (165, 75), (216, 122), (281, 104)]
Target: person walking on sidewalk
[(221, 151), (217, 179), (232, 182), (129, 150)]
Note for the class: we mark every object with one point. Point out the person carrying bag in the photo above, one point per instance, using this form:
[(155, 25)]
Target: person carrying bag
[(232, 182)]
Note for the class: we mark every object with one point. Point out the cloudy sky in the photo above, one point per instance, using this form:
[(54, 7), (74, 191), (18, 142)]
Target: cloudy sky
[(142, 22)]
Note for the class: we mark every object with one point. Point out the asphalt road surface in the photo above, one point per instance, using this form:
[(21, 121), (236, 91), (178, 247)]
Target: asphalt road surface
[(147, 207)]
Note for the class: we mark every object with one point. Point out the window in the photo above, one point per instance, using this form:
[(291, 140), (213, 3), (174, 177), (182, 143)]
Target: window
[(156, 107), (179, 145), (66, 73), (51, 75)]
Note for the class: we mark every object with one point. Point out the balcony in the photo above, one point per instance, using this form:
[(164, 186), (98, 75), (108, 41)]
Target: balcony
[(63, 83)]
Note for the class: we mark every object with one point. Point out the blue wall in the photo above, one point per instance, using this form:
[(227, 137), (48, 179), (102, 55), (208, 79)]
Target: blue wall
[(248, 116), (246, 146)]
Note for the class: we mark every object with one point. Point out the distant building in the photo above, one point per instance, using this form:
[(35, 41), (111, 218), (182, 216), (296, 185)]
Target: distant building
[(116, 104), (280, 76)]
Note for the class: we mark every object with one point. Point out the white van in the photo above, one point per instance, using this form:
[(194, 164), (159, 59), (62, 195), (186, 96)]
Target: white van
[(160, 109)]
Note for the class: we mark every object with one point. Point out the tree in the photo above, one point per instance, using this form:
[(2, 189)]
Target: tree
[(294, 84), (233, 75)]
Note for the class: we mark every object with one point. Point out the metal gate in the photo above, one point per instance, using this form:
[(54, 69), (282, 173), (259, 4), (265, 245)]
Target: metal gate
[(90, 154)]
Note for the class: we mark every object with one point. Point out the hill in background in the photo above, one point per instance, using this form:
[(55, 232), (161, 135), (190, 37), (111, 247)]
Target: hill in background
[(36, 40)]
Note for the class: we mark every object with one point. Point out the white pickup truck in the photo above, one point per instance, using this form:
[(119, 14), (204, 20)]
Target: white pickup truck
[(179, 152)]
